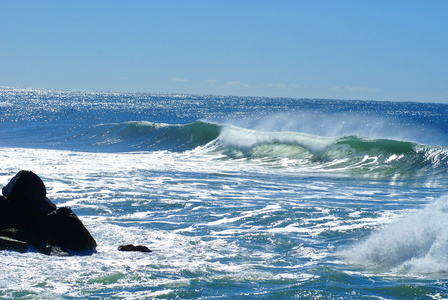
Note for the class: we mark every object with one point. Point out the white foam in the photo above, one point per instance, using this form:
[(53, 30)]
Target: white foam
[(243, 139), (247, 214)]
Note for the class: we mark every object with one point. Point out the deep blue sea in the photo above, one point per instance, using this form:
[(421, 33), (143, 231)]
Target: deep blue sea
[(238, 197)]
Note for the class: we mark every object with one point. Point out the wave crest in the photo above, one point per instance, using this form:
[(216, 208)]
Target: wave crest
[(371, 158)]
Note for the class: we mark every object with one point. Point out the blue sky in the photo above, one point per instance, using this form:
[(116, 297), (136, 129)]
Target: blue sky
[(370, 50)]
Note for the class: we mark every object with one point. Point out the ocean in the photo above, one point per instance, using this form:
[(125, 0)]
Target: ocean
[(237, 197)]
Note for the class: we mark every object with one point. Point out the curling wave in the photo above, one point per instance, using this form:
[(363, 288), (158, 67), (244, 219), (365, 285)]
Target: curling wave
[(373, 158)]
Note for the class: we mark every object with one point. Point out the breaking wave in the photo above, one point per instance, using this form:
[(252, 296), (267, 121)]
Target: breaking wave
[(366, 157), (381, 158)]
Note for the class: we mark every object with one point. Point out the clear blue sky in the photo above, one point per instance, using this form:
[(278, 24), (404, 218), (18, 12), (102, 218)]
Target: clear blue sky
[(361, 49)]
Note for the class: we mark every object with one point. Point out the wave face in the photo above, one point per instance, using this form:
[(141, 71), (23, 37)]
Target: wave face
[(370, 158), (145, 136)]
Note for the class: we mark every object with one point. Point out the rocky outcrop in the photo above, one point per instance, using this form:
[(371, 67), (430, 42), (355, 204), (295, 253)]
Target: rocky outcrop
[(29, 218)]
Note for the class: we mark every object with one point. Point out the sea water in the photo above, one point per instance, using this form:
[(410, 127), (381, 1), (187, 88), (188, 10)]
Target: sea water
[(238, 197)]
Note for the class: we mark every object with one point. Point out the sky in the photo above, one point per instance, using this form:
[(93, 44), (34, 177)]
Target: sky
[(387, 50)]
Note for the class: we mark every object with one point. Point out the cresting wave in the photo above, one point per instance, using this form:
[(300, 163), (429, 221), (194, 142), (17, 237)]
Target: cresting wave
[(352, 155), (378, 158), (280, 188)]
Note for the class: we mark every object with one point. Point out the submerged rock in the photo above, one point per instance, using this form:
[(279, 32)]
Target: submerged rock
[(28, 217)]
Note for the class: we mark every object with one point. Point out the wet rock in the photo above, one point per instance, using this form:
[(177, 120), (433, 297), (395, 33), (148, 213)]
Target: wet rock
[(8, 216), (131, 247), (16, 234)]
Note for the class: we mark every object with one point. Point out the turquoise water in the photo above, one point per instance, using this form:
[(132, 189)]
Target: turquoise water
[(237, 197)]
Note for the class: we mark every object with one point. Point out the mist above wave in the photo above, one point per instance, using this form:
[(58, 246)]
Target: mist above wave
[(337, 124)]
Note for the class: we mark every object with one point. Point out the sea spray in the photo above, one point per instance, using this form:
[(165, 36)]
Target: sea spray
[(329, 123), (416, 244)]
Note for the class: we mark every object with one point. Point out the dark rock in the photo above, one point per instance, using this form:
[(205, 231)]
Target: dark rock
[(8, 216), (59, 251), (27, 190), (54, 251), (64, 229), (7, 243), (28, 216), (16, 234), (131, 247)]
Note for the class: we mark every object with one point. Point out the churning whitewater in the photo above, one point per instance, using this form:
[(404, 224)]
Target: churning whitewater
[(236, 196)]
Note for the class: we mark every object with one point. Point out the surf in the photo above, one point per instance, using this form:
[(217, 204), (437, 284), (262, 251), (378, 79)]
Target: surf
[(279, 186), (352, 155)]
